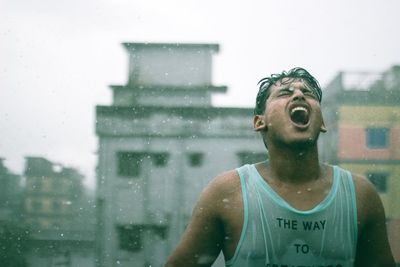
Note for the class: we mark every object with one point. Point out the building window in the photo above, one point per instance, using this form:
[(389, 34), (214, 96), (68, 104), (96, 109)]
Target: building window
[(196, 159), (246, 157), (379, 180), (56, 205), (129, 163), (36, 184), (161, 231), (160, 159), (36, 205), (130, 237), (377, 137), (57, 185)]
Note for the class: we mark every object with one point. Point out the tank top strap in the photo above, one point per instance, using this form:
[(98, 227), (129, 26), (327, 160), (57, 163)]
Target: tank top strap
[(244, 176), (347, 187)]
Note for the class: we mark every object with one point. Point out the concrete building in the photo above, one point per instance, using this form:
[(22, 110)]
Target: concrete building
[(61, 228), (51, 194), (13, 238), (160, 142), (10, 194), (362, 114)]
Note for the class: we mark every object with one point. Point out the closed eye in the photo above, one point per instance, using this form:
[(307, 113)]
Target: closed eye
[(285, 92), (309, 93)]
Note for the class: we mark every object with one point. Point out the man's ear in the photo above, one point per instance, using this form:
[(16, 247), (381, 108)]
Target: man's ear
[(259, 123), (323, 128)]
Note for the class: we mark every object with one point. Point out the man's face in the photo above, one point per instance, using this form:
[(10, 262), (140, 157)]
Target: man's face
[(292, 115)]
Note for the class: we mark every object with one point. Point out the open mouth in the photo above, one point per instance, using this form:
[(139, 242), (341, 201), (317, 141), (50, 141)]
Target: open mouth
[(299, 116)]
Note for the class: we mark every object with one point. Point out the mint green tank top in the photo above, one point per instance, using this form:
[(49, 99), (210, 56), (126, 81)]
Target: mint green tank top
[(275, 234)]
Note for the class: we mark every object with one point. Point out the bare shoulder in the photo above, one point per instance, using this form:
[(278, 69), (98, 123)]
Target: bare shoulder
[(364, 187), (226, 183), (368, 200), (362, 182), (221, 189), (367, 195)]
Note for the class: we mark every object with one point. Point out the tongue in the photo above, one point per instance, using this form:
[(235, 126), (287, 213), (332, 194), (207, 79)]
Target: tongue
[(299, 117)]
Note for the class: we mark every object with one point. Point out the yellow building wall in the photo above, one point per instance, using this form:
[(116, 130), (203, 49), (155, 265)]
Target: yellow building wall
[(39, 184), (379, 116), (48, 201), (28, 204), (61, 185), (49, 185)]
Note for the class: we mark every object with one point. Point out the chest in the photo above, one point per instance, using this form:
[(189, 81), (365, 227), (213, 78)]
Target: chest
[(270, 233), (260, 222), (302, 198)]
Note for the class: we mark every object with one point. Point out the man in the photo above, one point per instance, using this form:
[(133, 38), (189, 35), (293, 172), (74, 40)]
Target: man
[(290, 210)]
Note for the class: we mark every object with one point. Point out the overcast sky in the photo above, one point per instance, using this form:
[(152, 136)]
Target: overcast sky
[(57, 58)]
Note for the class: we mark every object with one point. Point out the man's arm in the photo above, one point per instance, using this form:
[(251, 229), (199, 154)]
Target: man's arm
[(203, 238), (373, 246)]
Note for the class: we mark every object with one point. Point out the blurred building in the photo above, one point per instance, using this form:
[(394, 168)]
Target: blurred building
[(10, 195), (62, 233), (160, 142), (362, 114)]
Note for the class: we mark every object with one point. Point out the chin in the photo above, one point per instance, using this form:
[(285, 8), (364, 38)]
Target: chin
[(303, 145), (300, 143)]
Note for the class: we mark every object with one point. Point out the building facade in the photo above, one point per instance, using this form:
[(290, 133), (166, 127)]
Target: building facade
[(59, 221), (362, 114), (13, 236), (160, 142), (10, 194), (51, 194)]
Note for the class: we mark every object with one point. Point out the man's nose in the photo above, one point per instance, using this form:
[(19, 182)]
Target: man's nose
[(298, 95)]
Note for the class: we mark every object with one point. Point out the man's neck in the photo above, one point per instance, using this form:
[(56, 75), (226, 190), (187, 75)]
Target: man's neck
[(294, 165)]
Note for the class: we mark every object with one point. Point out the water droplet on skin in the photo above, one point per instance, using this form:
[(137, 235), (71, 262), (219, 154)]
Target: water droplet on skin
[(204, 259)]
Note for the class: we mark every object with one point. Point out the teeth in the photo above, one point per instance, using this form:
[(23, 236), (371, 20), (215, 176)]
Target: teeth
[(299, 109)]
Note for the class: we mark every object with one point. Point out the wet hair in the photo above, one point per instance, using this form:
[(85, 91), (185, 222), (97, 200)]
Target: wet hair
[(266, 83)]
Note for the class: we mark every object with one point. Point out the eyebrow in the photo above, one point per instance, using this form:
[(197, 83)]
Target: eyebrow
[(304, 86), (286, 87)]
